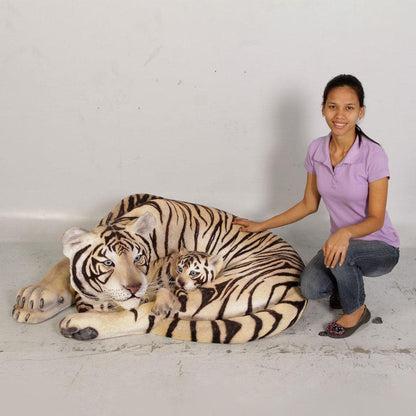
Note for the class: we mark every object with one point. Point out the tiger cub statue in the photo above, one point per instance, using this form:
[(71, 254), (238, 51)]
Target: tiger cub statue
[(175, 275), (195, 268)]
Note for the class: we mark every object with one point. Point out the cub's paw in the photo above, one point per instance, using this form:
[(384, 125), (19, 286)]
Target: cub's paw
[(166, 303), (145, 299), (38, 302), (79, 327)]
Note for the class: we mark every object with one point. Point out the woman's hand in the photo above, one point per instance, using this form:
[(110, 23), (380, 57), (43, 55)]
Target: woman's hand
[(248, 226), (335, 248)]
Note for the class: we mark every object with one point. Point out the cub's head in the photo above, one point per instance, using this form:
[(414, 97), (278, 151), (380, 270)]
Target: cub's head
[(195, 268), (110, 263)]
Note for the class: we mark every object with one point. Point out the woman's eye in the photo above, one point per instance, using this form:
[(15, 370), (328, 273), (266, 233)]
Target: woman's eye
[(108, 263)]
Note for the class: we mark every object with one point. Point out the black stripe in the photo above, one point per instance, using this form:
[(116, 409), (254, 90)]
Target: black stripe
[(151, 323), (75, 279), (198, 211), (215, 235), (277, 317), (232, 328), (209, 226), (192, 326), (259, 326), (172, 327), (215, 333), (167, 231), (131, 202), (153, 239), (207, 294), (299, 305), (288, 286), (135, 313), (196, 232), (107, 219), (122, 210)]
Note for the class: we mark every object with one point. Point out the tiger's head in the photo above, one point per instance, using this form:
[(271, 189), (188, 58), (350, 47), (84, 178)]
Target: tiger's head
[(194, 268), (110, 264)]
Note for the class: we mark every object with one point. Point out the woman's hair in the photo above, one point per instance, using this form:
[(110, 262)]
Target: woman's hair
[(345, 81), (352, 82)]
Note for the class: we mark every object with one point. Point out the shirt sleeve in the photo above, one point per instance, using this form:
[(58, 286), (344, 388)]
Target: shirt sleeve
[(309, 162), (378, 164)]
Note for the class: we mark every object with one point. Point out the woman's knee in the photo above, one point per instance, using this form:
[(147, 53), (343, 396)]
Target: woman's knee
[(315, 280), (309, 290), (316, 285)]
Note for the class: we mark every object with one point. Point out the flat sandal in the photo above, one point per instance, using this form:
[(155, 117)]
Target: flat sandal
[(335, 330)]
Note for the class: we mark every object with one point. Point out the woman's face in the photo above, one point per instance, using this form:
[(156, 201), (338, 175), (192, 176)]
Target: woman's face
[(342, 110)]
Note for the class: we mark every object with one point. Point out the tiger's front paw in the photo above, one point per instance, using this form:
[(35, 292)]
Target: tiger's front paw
[(166, 303), (79, 326), (39, 302)]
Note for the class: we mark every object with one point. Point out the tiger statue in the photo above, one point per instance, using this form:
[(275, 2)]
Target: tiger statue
[(256, 294), (195, 268)]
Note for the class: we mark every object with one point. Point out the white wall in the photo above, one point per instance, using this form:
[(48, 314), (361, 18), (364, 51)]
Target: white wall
[(205, 101)]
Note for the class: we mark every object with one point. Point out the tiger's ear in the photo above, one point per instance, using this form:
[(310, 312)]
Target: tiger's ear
[(143, 225), (217, 262), (183, 251), (74, 238)]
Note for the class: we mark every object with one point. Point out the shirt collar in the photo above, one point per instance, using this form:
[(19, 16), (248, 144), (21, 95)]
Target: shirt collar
[(353, 155)]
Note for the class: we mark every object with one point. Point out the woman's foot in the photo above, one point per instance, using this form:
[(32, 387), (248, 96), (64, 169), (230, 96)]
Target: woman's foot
[(348, 320), (347, 324)]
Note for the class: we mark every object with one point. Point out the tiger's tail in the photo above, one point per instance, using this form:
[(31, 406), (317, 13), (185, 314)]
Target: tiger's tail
[(240, 329)]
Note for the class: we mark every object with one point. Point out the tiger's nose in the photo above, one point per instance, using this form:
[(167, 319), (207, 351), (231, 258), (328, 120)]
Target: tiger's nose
[(180, 282), (134, 288)]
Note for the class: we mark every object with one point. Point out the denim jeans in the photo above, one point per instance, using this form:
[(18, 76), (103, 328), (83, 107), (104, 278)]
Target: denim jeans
[(363, 258)]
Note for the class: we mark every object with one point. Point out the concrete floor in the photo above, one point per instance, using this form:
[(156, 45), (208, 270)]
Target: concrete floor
[(296, 372)]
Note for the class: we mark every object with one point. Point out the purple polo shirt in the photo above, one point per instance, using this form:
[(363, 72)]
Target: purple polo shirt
[(344, 189)]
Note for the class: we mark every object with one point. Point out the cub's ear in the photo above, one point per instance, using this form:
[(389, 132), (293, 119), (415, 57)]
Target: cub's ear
[(183, 251), (217, 262), (74, 238), (143, 225)]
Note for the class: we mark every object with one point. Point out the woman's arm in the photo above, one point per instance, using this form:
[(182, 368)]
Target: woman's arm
[(308, 205), (336, 246)]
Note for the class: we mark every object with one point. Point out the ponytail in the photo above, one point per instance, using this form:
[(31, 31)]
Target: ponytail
[(360, 135)]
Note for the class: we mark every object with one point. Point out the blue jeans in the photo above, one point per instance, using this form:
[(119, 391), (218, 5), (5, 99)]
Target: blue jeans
[(363, 258)]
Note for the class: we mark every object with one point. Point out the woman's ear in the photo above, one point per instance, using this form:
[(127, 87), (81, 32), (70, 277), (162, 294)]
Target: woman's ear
[(362, 112)]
